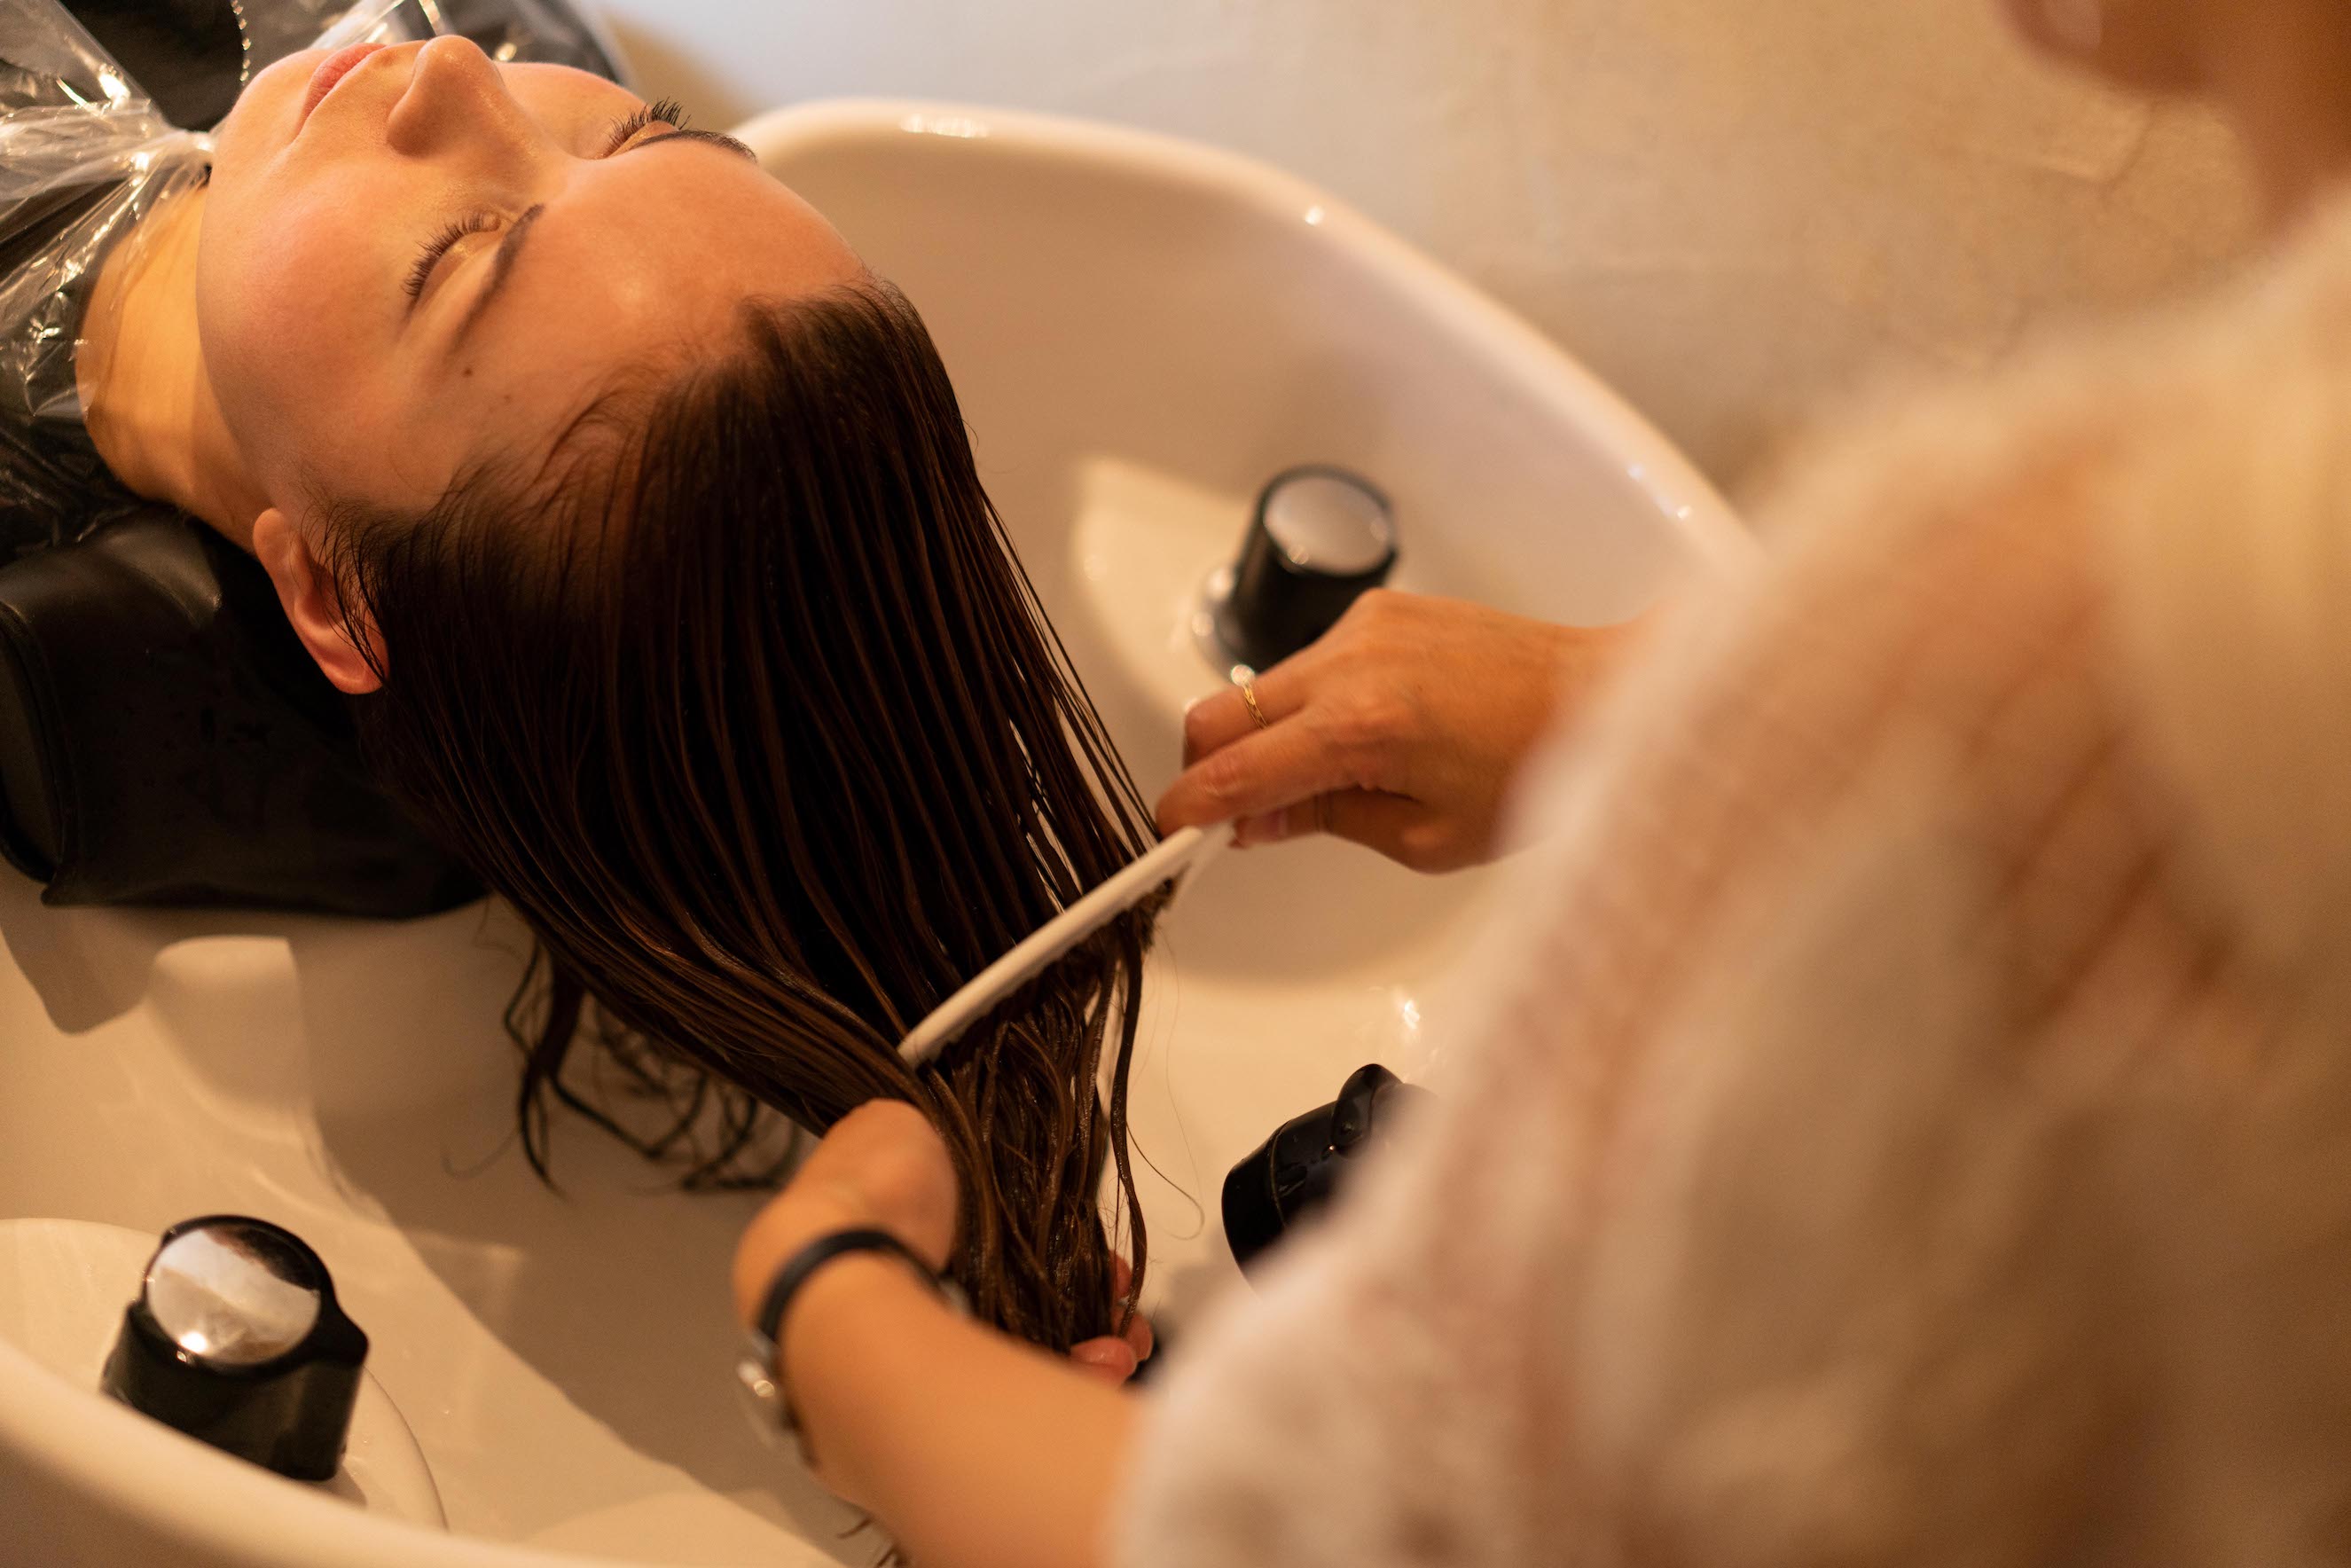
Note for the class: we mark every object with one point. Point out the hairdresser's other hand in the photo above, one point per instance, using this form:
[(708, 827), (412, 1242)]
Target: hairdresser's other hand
[(883, 1166), (946, 1431), (1401, 730), (1116, 1357)]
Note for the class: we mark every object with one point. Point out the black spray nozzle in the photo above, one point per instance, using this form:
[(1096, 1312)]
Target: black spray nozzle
[(1296, 1171)]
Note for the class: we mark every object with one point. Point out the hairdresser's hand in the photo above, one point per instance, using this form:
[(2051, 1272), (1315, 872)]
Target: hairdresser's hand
[(1401, 730), (883, 1166), (968, 1445), (1115, 1358)]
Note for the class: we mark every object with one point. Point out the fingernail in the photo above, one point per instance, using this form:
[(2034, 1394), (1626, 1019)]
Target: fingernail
[(1115, 1358)]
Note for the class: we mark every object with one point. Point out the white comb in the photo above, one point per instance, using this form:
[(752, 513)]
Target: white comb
[(1172, 859)]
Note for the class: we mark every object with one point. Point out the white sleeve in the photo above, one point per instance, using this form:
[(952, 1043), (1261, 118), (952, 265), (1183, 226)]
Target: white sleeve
[(1371, 1403), (1788, 1188)]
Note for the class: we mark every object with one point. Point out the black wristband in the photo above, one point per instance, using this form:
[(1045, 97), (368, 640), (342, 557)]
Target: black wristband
[(814, 1256), (759, 1375)]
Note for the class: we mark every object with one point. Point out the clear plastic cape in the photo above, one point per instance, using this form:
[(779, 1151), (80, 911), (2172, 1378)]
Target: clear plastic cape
[(78, 137)]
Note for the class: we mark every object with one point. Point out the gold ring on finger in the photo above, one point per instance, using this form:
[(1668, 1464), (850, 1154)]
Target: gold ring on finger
[(1246, 678)]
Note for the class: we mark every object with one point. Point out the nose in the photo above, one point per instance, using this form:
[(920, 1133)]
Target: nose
[(456, 100)]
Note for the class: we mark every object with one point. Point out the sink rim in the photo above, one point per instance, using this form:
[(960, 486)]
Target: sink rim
[(1686, 501), (82, 1443)]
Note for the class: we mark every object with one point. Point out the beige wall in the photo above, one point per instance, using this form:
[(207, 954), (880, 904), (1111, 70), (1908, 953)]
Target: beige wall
[(1727, 207)]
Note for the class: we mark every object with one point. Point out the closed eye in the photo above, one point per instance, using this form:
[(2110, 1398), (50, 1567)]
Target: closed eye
[(663, 112), (440, 246), (627, 129), (628, 133)]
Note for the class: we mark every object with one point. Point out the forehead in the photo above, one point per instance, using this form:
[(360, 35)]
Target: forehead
[(640, 262), (546, 88)]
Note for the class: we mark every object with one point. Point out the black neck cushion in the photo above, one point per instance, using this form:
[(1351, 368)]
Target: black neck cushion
[(165, 739)]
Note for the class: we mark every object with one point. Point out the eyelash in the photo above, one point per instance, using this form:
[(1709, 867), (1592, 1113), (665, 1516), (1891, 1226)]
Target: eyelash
[(438, 246), (661, 111), (666, 112)]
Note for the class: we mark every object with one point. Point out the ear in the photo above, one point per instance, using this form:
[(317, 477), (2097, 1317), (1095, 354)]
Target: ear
[(313, 601)]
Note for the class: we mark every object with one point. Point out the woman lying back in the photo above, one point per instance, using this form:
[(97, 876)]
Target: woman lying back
[(639, 521)]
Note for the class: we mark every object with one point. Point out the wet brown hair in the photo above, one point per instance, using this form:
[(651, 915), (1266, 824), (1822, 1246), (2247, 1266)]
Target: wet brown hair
[(756, 719)]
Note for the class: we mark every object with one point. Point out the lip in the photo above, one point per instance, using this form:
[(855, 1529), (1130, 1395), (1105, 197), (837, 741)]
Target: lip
[(333, 70)]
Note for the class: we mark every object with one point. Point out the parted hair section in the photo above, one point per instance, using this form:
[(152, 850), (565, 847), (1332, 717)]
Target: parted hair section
[(756, 719)]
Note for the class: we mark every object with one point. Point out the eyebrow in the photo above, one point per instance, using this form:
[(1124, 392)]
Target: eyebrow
[(502, 264), (687, 133)]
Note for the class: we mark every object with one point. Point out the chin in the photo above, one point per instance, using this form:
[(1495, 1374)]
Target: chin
[(2134, 56), (2030, 20)]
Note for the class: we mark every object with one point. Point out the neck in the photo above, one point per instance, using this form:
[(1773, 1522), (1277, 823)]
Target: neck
[(145, 394), (2284, 78)]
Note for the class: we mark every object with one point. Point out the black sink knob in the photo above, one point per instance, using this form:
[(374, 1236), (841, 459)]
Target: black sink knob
[(1296, 1171), (1321, 537), (236, 1339)]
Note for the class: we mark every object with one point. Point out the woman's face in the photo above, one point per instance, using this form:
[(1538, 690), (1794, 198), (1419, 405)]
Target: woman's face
[(444, 260)]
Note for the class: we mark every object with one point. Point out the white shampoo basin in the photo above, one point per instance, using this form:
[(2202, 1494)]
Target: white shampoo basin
[(1143, 332)]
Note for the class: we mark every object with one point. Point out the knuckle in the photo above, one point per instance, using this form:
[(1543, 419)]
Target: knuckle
[(1363, 616), (1359, 621), (1367, 721), (1375, 604)]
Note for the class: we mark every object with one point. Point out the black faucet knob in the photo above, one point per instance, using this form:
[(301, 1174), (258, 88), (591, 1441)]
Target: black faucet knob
[(1320, 539), (236, 1339)]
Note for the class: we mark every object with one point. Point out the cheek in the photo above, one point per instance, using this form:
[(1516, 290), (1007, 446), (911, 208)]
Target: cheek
[(263, 116), (290, 298)]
